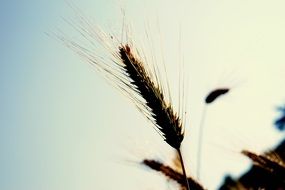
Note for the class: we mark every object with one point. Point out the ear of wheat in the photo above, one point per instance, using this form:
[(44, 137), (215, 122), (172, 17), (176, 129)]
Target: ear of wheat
[(172, 174), (213, 95), (165, 119)]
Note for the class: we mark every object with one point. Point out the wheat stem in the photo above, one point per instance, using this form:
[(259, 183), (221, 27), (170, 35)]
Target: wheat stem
[(200, 142), (183, 168)]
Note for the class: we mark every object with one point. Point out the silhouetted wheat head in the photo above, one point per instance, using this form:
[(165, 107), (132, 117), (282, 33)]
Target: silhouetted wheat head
[(165, 119), (121, 64), (216, 93), (172, 174)]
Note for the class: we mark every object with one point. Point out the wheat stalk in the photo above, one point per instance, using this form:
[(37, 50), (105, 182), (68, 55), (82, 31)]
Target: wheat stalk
[(210, 98)]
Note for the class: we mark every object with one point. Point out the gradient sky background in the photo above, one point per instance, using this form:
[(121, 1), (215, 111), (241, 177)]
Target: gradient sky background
[(63, 127)]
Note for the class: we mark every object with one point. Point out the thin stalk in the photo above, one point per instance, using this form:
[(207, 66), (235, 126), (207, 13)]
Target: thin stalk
[(200, 142), (183, 168)]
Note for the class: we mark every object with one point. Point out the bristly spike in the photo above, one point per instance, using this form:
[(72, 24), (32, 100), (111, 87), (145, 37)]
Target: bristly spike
[(165, 119)]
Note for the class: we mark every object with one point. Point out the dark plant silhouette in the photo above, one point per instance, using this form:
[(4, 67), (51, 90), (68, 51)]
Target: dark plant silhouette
[(280, 122), (213, 95), (267, 171)]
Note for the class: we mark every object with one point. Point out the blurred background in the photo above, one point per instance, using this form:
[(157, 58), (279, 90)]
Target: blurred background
[(62, 126)]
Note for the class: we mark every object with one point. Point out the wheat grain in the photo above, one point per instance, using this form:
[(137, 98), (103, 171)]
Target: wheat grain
[(213, 95)]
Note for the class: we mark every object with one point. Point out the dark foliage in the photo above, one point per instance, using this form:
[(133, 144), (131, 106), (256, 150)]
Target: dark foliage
[(280, 122), (259, 177)]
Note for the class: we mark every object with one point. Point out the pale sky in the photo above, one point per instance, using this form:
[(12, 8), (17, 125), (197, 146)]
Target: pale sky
[(62, 126)]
